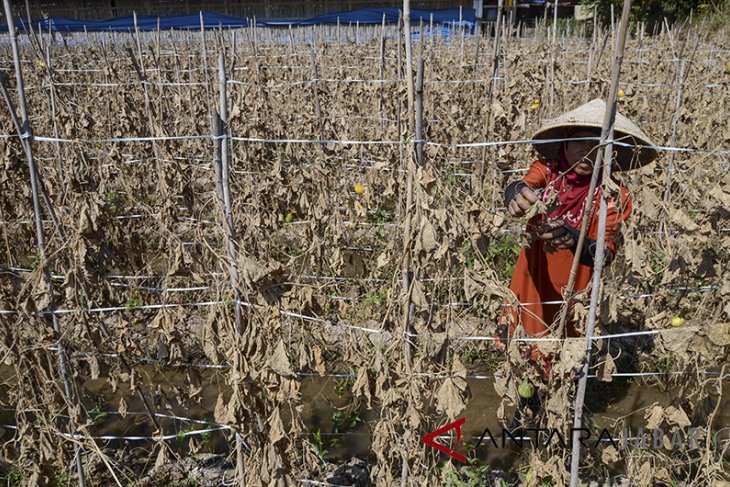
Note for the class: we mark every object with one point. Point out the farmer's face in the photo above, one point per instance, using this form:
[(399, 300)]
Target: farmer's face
[(581, 154)]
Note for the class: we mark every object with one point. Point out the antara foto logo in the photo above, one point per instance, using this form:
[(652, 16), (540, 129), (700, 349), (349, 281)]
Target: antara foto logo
[(430, 439)]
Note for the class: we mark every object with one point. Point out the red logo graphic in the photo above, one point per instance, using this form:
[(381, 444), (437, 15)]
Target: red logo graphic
[(430, 439)]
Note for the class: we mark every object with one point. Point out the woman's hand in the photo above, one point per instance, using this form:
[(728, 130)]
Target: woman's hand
[(555, 234), (522, 202)]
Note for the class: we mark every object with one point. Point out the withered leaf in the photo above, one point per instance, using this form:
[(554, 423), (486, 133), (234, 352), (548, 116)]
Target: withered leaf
[(607, 369), (279, 361), (654, 417), (427, 236), (448, 399), (276, 427)]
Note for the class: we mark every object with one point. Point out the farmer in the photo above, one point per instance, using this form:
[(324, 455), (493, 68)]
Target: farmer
[(561, 180)]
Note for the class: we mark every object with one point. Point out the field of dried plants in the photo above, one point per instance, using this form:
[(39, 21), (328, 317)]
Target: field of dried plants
[(262, 305)]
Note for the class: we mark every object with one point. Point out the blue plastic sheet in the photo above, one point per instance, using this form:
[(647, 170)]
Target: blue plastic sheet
[(211, 20)]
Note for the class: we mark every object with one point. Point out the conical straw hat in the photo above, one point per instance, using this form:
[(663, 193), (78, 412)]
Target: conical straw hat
[(590, 115)]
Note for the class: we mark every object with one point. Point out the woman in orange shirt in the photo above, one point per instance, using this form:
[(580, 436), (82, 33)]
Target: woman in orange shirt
[(563, 178)]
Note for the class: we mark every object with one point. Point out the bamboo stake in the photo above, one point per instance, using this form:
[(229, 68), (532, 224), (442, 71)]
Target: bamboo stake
[(430, 31), (490, 94), (504, 53), (399, 118), (495, 51), (406, 267), (588, 69), (158, 58), (410, 269), (291, 41), (339, 37), (233, 55), (641, 42), (419, 110), (401, 40), (463, 35), (204, 49), (604, 43), (420, 34), (511, 23), (315, 91), (382, 76), (409, 62), (35, 41), (40, 236), (147, 104), (613, 29), (255, 40), (477, 45), (553, 60), (607, 131), (675, 120), (221, 164)]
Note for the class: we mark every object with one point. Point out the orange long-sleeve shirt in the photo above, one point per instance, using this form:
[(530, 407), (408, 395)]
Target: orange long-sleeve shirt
[(540, 276)]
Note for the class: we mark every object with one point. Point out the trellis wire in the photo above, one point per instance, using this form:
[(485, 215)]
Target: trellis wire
[(352, 142), (149, 361), (144, 307), (217, 427)]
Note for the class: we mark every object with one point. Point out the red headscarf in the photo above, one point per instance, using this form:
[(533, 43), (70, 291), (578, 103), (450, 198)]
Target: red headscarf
[(571, 187)]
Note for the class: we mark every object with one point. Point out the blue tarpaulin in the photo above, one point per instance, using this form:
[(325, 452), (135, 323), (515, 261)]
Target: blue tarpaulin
[(212, 20)]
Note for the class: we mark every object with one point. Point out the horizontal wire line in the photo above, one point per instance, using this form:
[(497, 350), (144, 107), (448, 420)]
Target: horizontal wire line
[(678, 289), (151, 361), (703, 289), (318, 482), (78, 436), (223, 427), (353, 142), (218, 427)]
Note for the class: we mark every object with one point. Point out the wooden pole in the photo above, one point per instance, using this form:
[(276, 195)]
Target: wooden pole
[(675, 120), (407, 257), (221, 164), (158, 58), (147, 104), (255, 40), (233, 55), (204, 50), (409, 62), (52, 102), (589, 65), (606, 134), (399, 116), (495, 51), (430, 31), (224, 183), (339, 38), (419, 110), (382, 77), (315, 92), (27, 137), (613, 29), (492, 82), (554, 54), (463, 34)]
